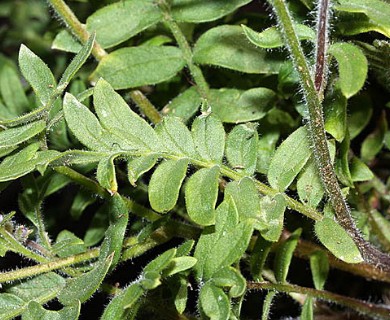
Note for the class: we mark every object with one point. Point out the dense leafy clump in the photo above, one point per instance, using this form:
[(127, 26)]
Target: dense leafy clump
[(186, 169)]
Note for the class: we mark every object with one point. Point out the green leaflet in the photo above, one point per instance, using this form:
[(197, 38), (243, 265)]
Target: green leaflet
[(136, 167), (11, 91), (68, 244), (359, 113), (289, 159), (15, 136), (36, 311), (86, 127), (139, 66), (225, 46), (307, 309), (77, 61), (209, 138), (259, 256), (335, 109), (337, 240), (360, 171), (319, 266), (353, 67), (201, 192), (131, 17), (342, 163), (43, 288), (284, 255), (185, 105), (270, 221), (116, 116), (37, 73), (241, 148), (181, 295), (165, 184), (231, 278), (176, 137), (377, 11), (82, 287), (214, 302), (64, 41), (271, 37), (105, 174), (246, 198), (203, 10), (179, 264), (373, 143)]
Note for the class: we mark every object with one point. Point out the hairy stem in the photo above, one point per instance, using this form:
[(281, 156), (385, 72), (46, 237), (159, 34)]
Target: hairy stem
[(319, 141), (146, 106), (370, 309)]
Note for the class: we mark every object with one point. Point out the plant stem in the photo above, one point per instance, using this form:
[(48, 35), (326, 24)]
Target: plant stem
[(185, 47), (67, 15), (366, 308), (319, 141), (48, 266), (146, 106)]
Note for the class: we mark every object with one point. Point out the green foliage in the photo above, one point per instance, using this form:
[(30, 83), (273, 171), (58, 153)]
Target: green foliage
[(202, 145)]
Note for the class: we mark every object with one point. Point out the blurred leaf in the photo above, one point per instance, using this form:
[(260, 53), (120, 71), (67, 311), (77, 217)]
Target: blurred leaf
[(307, 309), (241, 148), (335, 109), (201, 192), (138, 66), (289, 159), (259, 256), (359, 113), (353, 67), (131, 17), (272, 38), (203, 10), (373, 143), (165, 184), (225, 46), (319, 266)]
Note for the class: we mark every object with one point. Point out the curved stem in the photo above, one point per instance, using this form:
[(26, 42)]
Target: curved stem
[(319, 141)]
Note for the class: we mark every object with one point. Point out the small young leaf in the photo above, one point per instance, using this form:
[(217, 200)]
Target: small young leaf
[(353, 67), (201, 194), (230, 277), (203, 10), (84, 286), (337, 240), (271, 37), (319, 266), (271, 218), (138, 66), (37, 73), (161, 262), (307, 309), (136, 167), (181, 296), (225, 46), (131, 17), (36, 311), (289, 159), (165, 184), (176, 137), (241, 148), (105, 174), (77, 61), (284, 255), (209, 138), (116, 116), (179, 264), (15, 136), (214, 302)]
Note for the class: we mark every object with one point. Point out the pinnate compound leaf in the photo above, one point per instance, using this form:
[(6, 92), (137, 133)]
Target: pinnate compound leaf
[(116, 116), (201, 194), (227, 47), (270, 222), (136, 167), (15, 136), (289, 159), (241, 148), (77, 61), (84, 286), (138, 66), (271, 37), (209, 138), (377, 11), (165, 184), (203, 10), (214, 302), (37, 73), (319, 266), (337, 240), (36, 311), (284, 255), (176, 137), (353, 67), (131, 17)]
